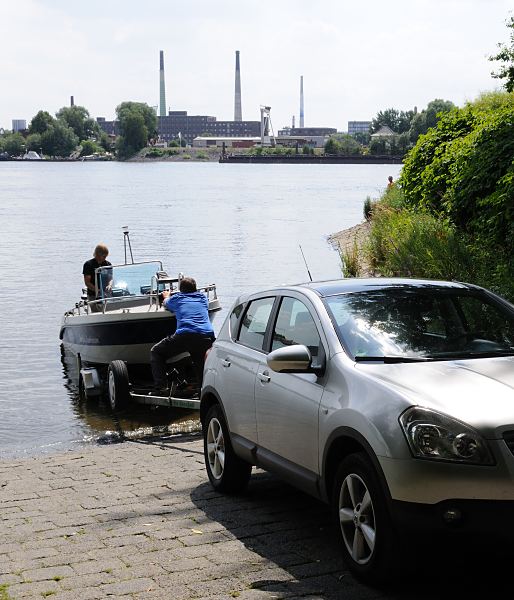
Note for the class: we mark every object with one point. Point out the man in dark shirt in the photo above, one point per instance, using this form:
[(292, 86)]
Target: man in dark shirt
[(99, 259), (194, 333)]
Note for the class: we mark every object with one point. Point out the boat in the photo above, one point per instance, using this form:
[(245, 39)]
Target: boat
[(128, 317)]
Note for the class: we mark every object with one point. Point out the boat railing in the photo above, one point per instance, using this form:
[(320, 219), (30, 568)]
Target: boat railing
[(153, 298)]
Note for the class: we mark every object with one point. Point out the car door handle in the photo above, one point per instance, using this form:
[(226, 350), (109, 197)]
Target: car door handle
[(264, 377), (225, 362)]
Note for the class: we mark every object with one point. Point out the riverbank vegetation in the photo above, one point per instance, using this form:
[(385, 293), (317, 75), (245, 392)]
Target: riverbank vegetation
[(452, 214), (72, 130)]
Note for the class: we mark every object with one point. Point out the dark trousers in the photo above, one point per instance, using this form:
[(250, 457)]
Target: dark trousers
[(196, 344)]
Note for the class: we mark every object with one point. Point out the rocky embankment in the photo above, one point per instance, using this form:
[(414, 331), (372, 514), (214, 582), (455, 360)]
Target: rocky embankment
[(357, 236)]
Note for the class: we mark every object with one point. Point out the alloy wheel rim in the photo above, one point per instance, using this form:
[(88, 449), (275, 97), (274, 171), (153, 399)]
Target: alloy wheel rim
[(357, 519), (112, 390), (215, 448)]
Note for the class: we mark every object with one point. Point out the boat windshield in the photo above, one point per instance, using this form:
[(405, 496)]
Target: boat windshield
[(126, 280)]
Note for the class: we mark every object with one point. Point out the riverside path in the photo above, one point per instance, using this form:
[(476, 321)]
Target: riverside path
[(140, 520)]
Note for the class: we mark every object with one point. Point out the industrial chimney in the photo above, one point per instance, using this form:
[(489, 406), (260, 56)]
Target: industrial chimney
[(162, 96), (238, 112), (301, 102)]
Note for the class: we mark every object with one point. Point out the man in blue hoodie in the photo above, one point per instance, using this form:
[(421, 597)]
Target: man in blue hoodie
[(194, 333)]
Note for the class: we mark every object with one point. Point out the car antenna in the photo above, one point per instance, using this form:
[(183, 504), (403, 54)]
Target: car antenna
[(306, 265), (126, 241)]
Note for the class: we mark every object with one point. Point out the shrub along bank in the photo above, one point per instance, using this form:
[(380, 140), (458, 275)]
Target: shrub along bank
[(453, 215)]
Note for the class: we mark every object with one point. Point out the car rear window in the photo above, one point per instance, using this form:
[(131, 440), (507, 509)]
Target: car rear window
[(255, 322), (234, 318)]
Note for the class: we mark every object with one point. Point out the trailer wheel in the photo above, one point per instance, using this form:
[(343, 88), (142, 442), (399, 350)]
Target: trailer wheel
[(118, 384)]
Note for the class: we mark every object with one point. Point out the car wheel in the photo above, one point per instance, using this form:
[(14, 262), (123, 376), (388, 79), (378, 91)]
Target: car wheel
[(227, 472), (369, 544)]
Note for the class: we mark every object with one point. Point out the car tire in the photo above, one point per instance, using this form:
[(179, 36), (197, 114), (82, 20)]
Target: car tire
[(227, 472), (369, 543)]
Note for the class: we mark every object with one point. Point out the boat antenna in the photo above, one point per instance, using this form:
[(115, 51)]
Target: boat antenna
[(306, 265), (126, 242)]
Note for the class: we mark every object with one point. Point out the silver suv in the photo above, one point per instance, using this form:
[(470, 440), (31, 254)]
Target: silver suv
[(391, 399)]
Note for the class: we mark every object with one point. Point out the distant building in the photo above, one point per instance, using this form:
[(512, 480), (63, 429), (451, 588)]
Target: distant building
[(19, 125), (307, 131), (384, 132), (359, 127), (110, 127), (230, 142), (192, 126), (293, 141)]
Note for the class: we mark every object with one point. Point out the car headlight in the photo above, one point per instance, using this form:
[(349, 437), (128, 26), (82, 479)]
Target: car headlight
[(437, 436)]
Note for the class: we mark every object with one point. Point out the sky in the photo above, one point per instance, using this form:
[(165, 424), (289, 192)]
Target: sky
[(356, 56)]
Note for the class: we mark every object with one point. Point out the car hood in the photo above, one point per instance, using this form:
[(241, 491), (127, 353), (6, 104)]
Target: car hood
[(479, 392)]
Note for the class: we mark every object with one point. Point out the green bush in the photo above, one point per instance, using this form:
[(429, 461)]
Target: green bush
[(407, 244), (462, 173), (368, 208), (350, 261), (186, 157), (462, 169), (154, 153), (89, 147), (201, 155)]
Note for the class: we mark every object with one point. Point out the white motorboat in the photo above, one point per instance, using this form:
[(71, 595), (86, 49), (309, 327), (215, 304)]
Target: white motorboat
[(128, 317)]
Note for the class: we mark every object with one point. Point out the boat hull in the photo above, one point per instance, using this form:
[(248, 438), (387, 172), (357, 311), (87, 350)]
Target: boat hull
[(100, 338)]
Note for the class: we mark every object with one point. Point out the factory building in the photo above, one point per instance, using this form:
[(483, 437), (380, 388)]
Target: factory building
[(359, 127), (192, 126), (307, 131), (19, 125), (228, 142)]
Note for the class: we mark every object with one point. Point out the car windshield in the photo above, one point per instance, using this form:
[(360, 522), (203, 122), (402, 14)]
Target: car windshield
[(425, 323), (126, 280)]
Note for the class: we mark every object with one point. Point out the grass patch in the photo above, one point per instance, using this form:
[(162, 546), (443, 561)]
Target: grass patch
[(186, 157), (57, 578), (48, 593), (350, 261), (4, 594)]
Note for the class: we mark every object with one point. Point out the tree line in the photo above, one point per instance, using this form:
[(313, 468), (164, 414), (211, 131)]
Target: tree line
[(74, 130)]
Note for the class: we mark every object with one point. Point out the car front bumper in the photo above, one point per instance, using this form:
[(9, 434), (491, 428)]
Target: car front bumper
[(477, 517)]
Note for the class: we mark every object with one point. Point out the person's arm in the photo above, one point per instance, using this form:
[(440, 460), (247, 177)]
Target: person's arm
[(89, 284), (169, 300)]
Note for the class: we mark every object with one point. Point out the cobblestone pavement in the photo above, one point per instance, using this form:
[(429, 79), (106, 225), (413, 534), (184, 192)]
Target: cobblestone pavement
[(139, 520)]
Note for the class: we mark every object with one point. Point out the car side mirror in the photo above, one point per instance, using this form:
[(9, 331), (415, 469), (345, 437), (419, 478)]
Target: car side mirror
[(290, 359)]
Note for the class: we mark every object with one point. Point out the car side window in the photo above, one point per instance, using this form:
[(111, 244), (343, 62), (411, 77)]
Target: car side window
[(255, 322), (234, 318), (295, 325)]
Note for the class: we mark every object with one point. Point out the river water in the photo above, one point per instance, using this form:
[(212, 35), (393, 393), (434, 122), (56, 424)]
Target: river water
[(238, 226)]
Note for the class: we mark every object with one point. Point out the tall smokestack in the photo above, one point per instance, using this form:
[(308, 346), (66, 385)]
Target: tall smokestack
[(301, 102), (238, 112), (72, 101), (162, 96)]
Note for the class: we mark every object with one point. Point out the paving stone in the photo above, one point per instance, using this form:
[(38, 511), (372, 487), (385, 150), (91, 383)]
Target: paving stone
[(48, 573), (139, 520)]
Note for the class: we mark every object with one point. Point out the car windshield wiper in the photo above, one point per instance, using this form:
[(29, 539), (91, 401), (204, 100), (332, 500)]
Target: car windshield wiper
[(392, 359), (459, 355)]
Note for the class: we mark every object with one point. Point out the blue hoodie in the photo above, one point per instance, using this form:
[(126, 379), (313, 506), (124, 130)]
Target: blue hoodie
[(192, 312)]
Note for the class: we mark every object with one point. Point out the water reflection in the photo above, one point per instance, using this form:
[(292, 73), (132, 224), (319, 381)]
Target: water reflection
[(106, 426)]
